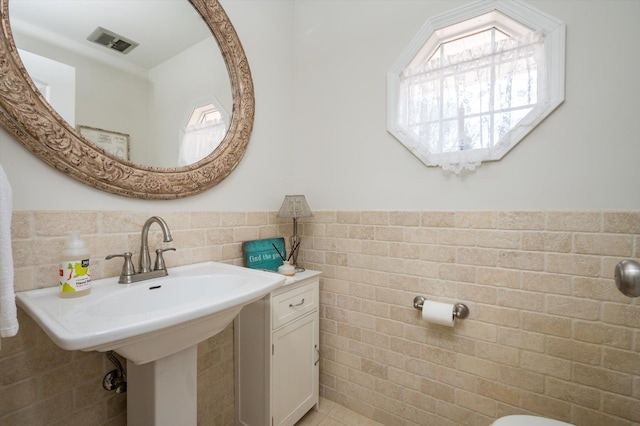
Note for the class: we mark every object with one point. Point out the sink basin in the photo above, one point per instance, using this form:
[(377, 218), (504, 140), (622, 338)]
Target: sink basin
[(150, 319)]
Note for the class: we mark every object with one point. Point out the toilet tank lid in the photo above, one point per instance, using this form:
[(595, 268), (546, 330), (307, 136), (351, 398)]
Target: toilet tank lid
[(521, 420)]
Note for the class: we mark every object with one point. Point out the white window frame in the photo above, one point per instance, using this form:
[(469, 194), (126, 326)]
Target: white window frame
[(195, 110), (451, 25)]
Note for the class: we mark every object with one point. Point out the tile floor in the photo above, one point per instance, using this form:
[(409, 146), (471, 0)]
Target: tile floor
[(331, 414)]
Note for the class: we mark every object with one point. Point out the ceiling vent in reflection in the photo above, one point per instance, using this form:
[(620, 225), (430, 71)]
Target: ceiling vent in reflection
[(112, 40)]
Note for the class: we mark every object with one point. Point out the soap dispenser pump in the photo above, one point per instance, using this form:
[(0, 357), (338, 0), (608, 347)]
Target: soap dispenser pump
[(75, 278)]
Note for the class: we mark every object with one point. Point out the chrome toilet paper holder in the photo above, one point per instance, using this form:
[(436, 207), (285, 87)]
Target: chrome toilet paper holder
[(460, 310)]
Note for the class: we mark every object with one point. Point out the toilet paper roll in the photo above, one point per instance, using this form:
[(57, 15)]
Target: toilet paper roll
[(438, 313)]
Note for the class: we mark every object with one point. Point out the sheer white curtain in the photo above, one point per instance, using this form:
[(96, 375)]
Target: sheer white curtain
[(457, 107), (199, 140)]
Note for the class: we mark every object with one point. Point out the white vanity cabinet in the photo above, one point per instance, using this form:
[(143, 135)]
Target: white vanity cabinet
[(277, 354)]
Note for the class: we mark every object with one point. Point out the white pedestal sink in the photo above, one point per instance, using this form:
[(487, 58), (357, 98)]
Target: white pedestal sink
[(164, 392), (156, 325)]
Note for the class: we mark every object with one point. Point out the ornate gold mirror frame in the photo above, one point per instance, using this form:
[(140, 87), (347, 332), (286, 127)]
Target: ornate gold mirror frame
[(26, 115)]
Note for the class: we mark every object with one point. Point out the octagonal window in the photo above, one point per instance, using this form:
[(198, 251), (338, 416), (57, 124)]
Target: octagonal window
[(206, 127), (475, 81)]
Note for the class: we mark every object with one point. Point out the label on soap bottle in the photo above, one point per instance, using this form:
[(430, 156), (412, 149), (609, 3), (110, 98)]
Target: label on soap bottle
[(74, 276)]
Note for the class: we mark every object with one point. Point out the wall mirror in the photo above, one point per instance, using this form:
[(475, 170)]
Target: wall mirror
[(142, 90)]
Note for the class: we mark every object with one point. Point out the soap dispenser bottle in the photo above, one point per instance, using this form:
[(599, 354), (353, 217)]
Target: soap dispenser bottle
[(75, 279)]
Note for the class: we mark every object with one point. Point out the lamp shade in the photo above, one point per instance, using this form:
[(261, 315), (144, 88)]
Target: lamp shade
[(294, 206)]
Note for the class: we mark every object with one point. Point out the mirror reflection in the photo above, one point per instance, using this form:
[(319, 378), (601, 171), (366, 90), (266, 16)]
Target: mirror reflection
[(147, 88)]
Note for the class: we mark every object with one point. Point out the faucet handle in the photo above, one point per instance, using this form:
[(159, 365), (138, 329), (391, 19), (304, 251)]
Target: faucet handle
[(160, 266), (127, 268)]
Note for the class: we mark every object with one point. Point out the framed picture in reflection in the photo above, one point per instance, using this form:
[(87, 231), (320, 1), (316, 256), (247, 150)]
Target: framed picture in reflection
[(114, 143)]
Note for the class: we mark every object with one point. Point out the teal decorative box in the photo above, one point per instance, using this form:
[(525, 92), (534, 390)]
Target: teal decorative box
[(263, 254)]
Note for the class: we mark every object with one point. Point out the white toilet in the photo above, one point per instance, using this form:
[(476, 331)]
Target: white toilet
[(519, 420)]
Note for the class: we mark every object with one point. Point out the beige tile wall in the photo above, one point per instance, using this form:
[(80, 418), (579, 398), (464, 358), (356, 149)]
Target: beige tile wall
[(41, 384), (548, 334)]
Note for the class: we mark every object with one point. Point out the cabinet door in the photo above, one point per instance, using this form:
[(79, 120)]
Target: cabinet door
[(295, 370)]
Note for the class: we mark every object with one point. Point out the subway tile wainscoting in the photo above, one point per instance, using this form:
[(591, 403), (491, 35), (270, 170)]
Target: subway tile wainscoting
[(548, 333)]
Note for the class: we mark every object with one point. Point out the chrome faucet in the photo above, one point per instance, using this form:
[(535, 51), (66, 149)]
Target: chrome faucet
[(129, 274), (145, 259)]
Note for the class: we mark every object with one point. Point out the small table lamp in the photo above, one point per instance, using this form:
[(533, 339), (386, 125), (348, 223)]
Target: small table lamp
[(295, 206)]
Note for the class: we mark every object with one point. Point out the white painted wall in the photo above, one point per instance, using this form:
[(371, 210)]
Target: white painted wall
[(584, 156), (173, 99), (320, 124)]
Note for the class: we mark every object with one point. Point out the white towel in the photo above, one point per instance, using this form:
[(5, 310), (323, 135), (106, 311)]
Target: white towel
[(8, 314)]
